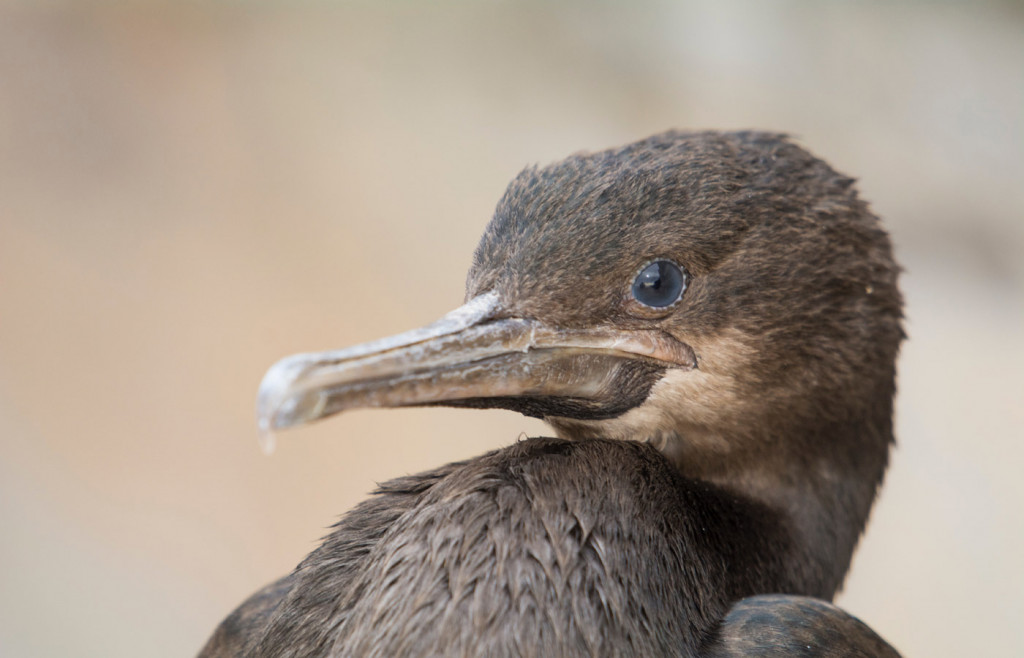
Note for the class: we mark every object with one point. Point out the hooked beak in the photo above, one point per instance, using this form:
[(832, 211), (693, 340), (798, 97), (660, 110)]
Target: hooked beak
[(470, 357)]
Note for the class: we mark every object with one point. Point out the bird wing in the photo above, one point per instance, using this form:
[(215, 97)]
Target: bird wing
[(780, 625)]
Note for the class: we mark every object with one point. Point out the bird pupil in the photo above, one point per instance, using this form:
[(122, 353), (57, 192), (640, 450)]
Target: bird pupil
[(659, 284)]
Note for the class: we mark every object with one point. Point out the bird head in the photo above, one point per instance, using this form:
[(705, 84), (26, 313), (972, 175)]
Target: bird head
[(688, 288)]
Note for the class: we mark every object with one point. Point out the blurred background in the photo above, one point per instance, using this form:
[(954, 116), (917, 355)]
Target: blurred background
[(191, 190)]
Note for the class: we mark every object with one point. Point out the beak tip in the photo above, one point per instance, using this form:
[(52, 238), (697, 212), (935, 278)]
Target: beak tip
[(266, 405), (276, 398), (285, 399)]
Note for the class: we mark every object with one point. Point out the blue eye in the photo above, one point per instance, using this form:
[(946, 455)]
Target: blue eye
[(660, 284)]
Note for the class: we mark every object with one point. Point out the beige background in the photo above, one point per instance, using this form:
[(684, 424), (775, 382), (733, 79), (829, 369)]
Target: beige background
[(189, 191)]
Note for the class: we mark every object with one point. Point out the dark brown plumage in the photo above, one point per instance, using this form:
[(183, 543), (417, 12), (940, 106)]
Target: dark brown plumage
[(724, 446)]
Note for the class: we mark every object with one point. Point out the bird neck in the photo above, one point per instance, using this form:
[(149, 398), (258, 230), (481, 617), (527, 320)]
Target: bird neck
[(823, 488), (820, 477)]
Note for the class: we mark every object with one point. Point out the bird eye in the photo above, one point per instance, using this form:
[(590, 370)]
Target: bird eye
[(660, 284)]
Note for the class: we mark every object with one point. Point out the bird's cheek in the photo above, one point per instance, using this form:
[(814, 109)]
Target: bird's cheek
[(726, 353)]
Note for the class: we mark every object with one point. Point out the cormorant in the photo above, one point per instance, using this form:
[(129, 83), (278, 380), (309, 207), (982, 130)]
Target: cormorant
[(709, 321)]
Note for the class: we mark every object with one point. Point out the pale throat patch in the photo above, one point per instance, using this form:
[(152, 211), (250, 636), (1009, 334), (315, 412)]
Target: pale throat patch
[(682, 406)]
